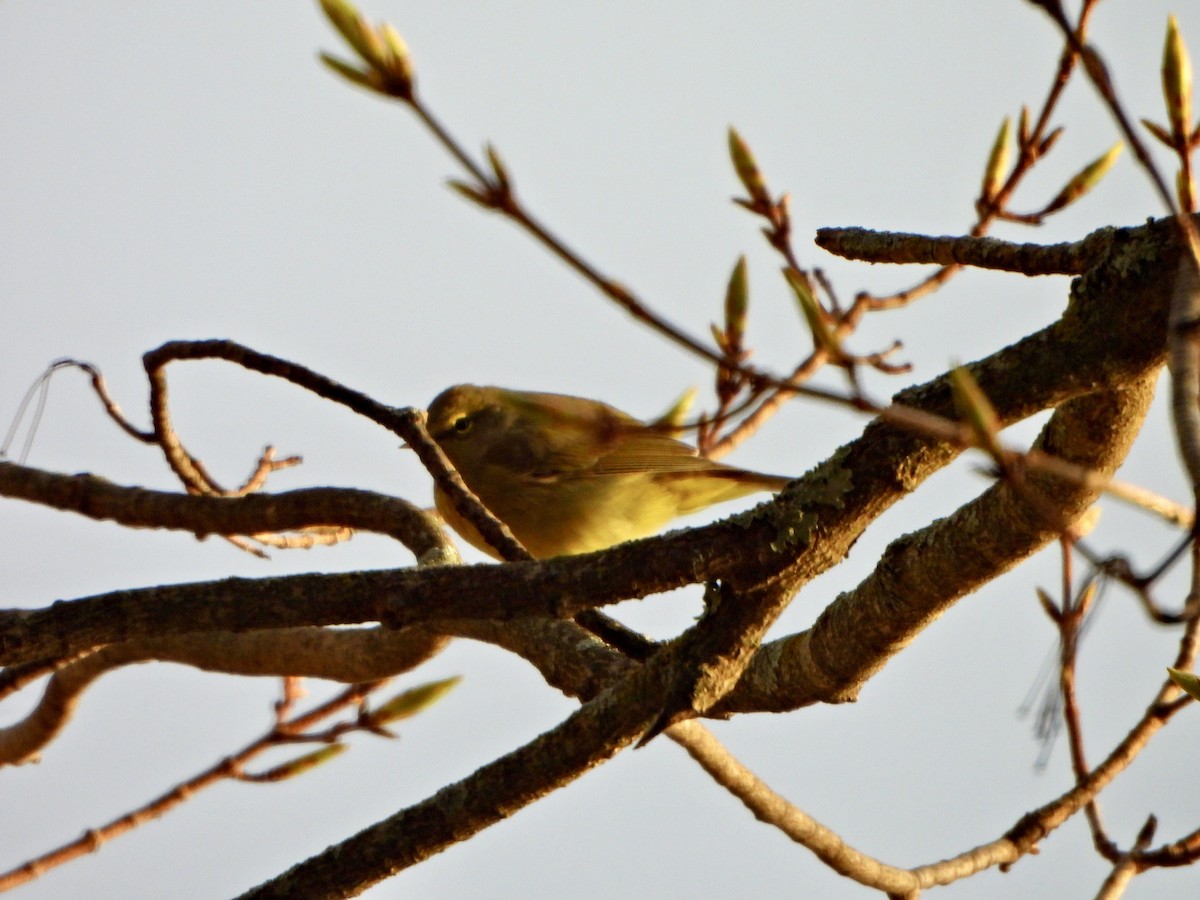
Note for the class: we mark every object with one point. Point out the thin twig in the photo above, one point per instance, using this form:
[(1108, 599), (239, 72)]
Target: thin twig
[(227, 768)]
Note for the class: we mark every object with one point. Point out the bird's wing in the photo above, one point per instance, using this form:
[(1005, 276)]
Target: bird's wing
[(561, 437), (649, 450)]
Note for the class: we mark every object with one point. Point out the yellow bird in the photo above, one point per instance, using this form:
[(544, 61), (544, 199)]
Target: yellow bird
[(569, 475)]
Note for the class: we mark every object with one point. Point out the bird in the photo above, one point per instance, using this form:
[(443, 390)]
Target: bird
[(570, 475)]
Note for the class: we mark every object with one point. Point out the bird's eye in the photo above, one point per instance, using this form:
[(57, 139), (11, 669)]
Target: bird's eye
[(462, 425)]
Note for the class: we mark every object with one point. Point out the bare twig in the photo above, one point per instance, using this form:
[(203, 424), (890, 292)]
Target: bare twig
[(229, 767)]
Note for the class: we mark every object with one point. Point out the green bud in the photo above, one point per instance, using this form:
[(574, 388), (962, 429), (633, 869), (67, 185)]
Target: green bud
[(737, 302), (675, 416), (299, 765), (498, 167), (1086, 179), (1048, 605), (823, 336), (1089, 594), (472, 193), (357, 32), (998, 161), (747, 169), (1159, 132), (1186, 680), (719, 337), (345, 17), (976, 410), (413, 701), (1049, 141), (350, 73), (1177, 81), (399, 66)]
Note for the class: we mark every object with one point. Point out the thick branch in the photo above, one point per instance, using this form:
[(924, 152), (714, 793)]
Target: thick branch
[(349, 656), (1112, 334), (982, 252), (923, 574), (598, 730), (134, 507)]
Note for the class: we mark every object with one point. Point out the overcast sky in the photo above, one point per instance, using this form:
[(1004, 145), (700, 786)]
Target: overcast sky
[(190, 171)]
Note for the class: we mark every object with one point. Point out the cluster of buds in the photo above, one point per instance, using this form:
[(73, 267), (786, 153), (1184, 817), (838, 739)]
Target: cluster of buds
[(386, 64)]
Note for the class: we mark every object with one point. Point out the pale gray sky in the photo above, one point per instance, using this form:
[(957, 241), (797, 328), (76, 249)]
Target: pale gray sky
[(190, 171)]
